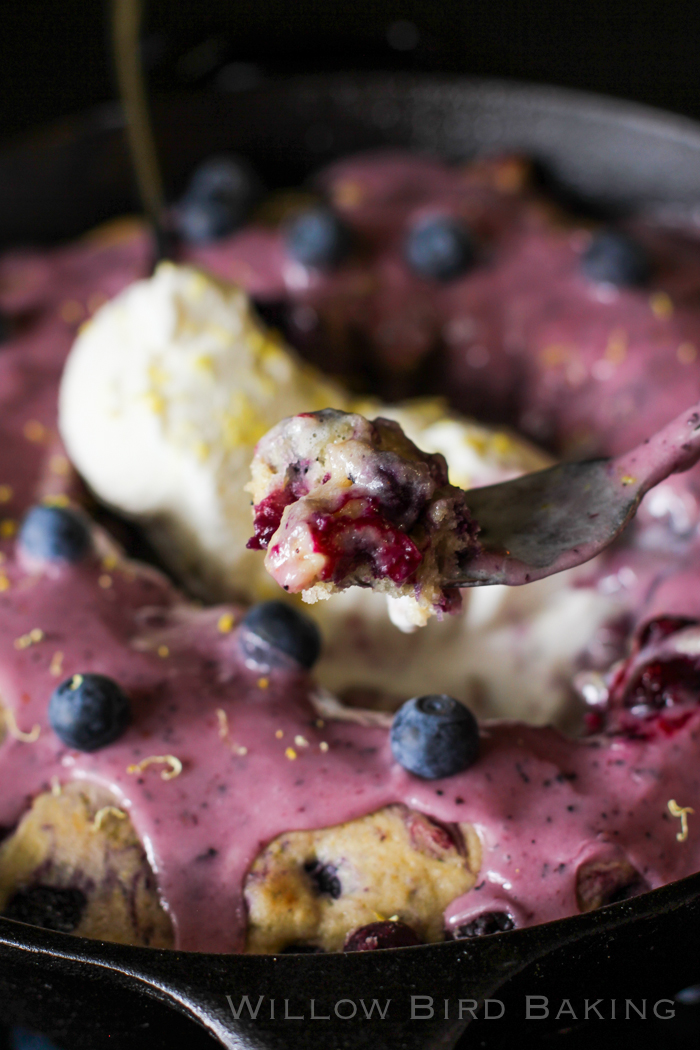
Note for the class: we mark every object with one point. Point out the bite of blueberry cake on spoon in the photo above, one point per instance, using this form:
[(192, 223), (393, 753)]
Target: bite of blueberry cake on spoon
[(342, 501)]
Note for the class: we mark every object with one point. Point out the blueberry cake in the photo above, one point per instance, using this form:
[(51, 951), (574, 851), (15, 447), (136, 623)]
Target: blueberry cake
[(139, 707)]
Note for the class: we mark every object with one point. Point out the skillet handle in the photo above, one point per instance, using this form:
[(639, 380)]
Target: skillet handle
[(394, 1000)]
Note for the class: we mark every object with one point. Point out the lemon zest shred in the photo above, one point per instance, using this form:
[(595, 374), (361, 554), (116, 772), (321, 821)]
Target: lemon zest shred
[(106, 811), (18, 734), (167, 774), (680, 811)]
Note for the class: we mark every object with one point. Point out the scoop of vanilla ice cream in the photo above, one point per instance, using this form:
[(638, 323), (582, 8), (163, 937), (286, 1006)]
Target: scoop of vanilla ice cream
[(164, 396)]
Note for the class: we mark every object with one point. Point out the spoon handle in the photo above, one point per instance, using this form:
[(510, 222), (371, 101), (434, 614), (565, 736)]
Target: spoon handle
[(126, 22), (670, 451)]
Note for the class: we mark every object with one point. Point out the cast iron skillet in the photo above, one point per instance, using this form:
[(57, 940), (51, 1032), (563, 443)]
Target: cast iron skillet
[(607, 154)]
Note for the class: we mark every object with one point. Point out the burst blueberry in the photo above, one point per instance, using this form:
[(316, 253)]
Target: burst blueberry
[(275, 627), (89, 711), (440, 247), (57, 534), (484, 925), (434, 736), (219, 198), (387, 934), (614, 258), (318, 238)]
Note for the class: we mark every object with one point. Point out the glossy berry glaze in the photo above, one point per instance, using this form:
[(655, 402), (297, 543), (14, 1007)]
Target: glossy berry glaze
[(546, 808)]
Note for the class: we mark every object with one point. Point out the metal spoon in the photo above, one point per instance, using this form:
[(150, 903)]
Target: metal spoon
[(126, 23), (545, 522)]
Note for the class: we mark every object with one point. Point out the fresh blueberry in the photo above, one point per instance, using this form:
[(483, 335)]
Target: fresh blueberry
[(388, 934), (24, 1039), (55, 534), (219, 198), (484, 925), (614, 258), (434, 736), (317, 237), (440, 247), (89, 711), (53, 907), (272, 626)]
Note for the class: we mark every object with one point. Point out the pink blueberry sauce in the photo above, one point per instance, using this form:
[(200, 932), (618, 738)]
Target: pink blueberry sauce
[(588, 368)]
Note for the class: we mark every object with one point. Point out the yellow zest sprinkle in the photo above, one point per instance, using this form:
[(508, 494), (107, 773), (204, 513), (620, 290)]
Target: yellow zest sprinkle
[(5, 493), (58, 499), (323, 746), (71, 311), (34, 636), (76, 682), (56, 789), (661, 305), (320, 723), (616, 350), (96, 300), (627, 479), (202, 451), (393, 918), (680, 811), (348, 194), (106, 811), (34, 430), (59, 465), (14, 730), (155, 402), (8, 527), (291, 754), (4, 582), (167, 774), (300, 741), (225, 623), (263, 683), (279, 734), (223, 722), (686, 353), (110, 561), (104, 581), (554, 354), (163, 651), (56, 665)]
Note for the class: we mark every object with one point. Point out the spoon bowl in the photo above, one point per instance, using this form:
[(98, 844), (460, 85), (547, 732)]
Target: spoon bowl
[(551, 520)]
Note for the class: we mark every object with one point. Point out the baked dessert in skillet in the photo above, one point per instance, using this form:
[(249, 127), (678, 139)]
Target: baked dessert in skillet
[(172, 774)]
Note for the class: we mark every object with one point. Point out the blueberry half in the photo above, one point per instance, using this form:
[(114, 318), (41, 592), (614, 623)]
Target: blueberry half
[(317, 237), (387, 934), (440, 247), (218, 199), (614, 258), (434, 736), (55, 534), (89, 711), (272, 626)]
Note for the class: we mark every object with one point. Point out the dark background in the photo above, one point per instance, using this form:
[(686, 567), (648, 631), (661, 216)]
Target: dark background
[(54, 57)]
